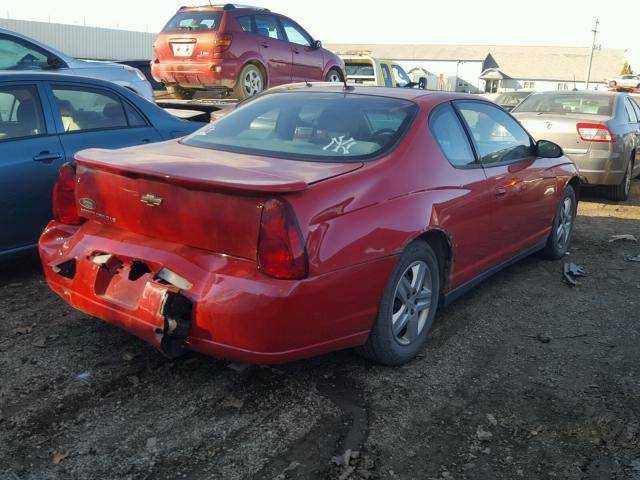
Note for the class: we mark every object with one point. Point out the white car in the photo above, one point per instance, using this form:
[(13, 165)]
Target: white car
[(625, 81), (19, 52)]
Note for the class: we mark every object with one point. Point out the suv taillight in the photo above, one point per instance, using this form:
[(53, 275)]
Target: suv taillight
[(595, 132), (222, 43), (64, 198), (281, 250)]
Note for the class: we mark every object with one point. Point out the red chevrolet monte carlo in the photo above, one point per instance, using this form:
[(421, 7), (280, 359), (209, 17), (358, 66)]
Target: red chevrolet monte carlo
[(310, 219)]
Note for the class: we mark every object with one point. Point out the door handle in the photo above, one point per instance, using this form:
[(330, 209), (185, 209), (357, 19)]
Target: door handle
[(264, 44), (46, 157), (500, 191), (296, 51)]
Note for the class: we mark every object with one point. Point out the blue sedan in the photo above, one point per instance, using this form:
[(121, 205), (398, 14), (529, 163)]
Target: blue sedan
[(44, 119)]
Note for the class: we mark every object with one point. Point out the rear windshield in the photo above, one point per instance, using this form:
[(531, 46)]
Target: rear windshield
[(511, 99), (584, 104), (194, 22), (359, 69), (311, 126)]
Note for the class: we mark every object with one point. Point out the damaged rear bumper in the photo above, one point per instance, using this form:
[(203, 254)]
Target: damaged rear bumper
[(210, 303)]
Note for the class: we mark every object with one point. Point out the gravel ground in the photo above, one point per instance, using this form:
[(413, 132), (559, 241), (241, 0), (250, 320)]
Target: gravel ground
[(524, 377)]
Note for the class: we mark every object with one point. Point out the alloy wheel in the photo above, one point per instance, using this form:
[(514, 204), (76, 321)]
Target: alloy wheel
[(411, 304), (333, 76), (565, 222), (252, 81)]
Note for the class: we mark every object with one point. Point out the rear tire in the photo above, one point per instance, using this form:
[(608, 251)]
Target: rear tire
[(562, 226), (407, 308), (181, 93), (620, 193), (251, 81), (334, 75)]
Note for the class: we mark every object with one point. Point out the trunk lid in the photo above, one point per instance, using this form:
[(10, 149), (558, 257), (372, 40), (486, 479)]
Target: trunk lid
[(559, 128), (190, 36), (188, 195)]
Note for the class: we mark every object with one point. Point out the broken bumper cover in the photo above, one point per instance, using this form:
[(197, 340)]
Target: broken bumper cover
[(230, 310)]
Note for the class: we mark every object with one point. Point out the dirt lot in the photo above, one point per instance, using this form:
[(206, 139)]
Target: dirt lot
[(524, 377)]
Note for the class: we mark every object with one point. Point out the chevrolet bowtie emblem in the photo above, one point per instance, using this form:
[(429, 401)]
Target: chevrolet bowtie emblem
[(151, 200)]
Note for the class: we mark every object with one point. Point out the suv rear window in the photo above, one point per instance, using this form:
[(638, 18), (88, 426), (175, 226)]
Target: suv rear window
[(194, 22), (311, 126), (584, 104)]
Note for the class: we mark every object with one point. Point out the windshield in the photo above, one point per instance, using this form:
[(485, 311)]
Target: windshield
[(310, 126), (194, 22), (585, 104)]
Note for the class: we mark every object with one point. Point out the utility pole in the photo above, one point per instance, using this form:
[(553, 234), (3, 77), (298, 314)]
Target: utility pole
[(593, 47)]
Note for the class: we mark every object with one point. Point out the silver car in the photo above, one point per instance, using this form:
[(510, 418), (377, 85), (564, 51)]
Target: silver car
[(599, 131), (19, 52)]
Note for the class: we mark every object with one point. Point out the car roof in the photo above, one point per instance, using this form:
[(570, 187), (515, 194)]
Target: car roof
[(31, 76), (594, 93), (391, 92)]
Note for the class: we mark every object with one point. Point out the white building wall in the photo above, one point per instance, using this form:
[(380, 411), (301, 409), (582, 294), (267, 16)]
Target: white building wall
[(87, 42), (510, 85), (468, 72)]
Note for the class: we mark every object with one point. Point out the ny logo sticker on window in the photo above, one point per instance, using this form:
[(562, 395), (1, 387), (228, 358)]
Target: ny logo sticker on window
[(338, 144)]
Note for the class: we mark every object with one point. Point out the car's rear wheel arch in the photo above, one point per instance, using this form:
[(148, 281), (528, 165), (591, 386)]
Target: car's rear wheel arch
[(442, 246)]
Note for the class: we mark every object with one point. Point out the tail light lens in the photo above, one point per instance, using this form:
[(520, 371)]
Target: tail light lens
[(595, 132), (222, 43), (281, 250), (64, 198)]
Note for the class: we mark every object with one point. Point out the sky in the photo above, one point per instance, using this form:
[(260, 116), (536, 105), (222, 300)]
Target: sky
[(515, 22)]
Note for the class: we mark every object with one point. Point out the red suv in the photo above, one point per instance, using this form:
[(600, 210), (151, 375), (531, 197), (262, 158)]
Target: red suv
[(237, 48)]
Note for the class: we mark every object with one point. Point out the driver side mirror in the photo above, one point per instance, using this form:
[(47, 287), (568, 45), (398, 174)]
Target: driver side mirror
[(547, 149), (317, 44), (55, 63), (422, 83)]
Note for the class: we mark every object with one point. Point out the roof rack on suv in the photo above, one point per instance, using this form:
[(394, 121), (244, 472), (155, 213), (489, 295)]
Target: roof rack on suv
[(233, 6)]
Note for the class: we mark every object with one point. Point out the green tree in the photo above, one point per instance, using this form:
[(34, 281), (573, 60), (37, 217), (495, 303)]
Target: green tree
[(626, 70)]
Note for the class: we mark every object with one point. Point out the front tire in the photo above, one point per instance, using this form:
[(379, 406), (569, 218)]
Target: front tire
[(562, 226), (180, 93), (250, 82), (407, 308), (620, 193)]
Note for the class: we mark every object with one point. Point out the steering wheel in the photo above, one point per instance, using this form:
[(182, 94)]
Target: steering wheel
[(381, 132)]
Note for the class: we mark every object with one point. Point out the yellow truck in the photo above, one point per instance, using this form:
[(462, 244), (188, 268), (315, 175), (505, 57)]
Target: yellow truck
[(362, 68)]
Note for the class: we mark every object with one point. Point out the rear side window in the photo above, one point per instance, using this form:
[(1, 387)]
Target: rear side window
[(631, 113), (451, 137), (359, 69), (194, 22), (497, 136), (83, 108), (245, 23), (636, 107), (311, 126), (20, 113), (581, 103), (267, 26)]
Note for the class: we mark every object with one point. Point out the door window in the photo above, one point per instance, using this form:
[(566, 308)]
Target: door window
[(386, 76), (82, 108), (636, 107), (20, 113), (267, 26), (402, 79), (497, 136), (19, 55), (295, 33), (451, 137), (631, 113)]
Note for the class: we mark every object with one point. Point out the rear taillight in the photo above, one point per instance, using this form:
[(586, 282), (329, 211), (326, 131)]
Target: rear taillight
[(281, 250), (64, 199), (595, 132), (222, 43)]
